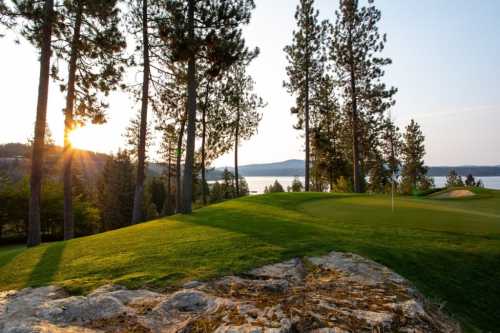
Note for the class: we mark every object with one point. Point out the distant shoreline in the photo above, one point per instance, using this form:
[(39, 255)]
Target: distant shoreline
[(293, 168)]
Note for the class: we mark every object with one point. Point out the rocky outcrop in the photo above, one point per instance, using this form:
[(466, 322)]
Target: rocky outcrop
[(336, 293)]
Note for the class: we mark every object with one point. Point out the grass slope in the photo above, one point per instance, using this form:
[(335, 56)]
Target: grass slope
[(449, 248)]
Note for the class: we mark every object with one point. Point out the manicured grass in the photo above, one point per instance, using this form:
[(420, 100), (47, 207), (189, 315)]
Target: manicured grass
[(449, 248)]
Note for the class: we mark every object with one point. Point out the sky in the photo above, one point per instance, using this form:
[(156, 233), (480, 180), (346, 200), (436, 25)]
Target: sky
[(446, 66)]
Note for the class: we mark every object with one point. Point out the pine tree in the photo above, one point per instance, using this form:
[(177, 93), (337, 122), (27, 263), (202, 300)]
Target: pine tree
[(276, 187), (132, 135), (39, 17), (379, 174), (413, 153), (202, 29), (116, 191), (471, 181), (6, 16), (168, 153), (356, 44), (391, 146), (168, 101), (142, 21), (454, 179), (95, 67), (214, 128), (304, 69), (326, 140), (245, 105), (297, 185)]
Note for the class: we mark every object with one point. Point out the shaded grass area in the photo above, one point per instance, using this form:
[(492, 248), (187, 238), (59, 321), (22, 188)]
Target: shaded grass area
[(449, 248)]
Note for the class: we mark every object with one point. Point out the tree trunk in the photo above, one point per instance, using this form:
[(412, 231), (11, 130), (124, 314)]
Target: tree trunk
[(236, 139), (167, 204), (203, 153), (34, 232), (187, 189), (141, 149), (354, 120), (308, 157), (178, 183), (69, 225)]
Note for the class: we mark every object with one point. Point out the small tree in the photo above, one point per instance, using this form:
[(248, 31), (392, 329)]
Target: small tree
[(454, 180), (276, 187), (245, 105), (342, 185), (115, 191), (296, 186), (471, 181), (413, 153)]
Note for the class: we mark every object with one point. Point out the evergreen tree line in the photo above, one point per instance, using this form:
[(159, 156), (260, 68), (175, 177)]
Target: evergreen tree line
[(335, 72), (193, 62)]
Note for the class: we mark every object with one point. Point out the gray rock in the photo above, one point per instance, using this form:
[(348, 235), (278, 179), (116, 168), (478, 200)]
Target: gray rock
[(340, 291), (193, 285), (188, 300), (357, 268), (375, 319), (81, 310), (248, 329), (290, 270)]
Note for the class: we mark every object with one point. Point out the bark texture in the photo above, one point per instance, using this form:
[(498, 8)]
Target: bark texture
[(69, 225), (187, 188), (141, 149), (34, 229)]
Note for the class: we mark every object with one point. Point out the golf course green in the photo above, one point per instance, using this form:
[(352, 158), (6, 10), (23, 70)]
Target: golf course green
[(449, 248)]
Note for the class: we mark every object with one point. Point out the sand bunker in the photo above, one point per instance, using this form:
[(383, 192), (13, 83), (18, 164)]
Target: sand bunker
[(455, 194)]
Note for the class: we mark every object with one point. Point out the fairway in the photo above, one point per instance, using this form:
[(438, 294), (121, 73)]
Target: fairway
[(450, 249)]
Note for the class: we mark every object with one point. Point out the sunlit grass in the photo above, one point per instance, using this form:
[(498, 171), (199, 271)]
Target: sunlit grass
[(449, 248)]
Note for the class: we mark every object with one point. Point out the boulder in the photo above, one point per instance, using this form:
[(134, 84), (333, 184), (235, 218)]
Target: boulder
[(338, 293)]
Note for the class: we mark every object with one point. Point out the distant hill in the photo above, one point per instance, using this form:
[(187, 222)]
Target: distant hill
[(296, 168), (15, 162), (283, 169), (15, 157), (476, 171)]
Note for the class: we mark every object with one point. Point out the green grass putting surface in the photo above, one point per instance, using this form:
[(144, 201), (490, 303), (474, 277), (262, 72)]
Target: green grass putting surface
[(450, 249)]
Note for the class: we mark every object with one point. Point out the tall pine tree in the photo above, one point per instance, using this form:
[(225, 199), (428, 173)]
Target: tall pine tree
[(356, 45), (95, 67), (202, 29), (245, 105), (39, 17), (142, 19), (304, 69)]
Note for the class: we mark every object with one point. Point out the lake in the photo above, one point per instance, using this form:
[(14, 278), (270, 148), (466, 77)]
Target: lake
[(257, 184)]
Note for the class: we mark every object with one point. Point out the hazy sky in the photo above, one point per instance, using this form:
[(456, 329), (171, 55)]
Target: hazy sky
[(446, 67)]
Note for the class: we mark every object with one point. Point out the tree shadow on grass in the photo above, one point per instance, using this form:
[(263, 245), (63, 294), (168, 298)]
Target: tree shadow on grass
[(48, 265), (294, 234), (9, 256)]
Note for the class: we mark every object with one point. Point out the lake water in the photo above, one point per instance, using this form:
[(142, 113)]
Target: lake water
[(257, 184)]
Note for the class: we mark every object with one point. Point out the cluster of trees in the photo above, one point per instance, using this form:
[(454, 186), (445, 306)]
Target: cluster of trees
[(455, 180), (228, 188), (193, 62), (335, 71), (276, 187)]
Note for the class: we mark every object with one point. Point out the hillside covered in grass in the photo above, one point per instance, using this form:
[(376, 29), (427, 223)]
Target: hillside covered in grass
[(449, 248)]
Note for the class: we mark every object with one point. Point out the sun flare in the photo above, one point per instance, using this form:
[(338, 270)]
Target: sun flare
[(87, 138)]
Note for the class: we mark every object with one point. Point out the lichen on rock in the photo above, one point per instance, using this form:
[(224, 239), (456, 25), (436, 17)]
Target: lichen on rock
[(336, 293)]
